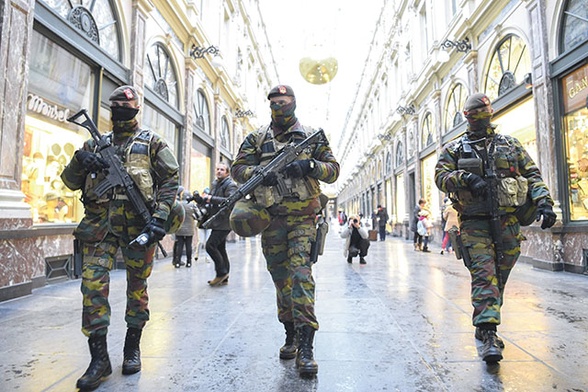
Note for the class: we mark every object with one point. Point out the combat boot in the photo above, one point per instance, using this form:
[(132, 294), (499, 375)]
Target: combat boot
[(307, 366), (478, 335), (491, 352), (99, 365), (288, 350), (131, 352)]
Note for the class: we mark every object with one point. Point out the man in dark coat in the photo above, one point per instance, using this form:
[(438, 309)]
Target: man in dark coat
[(222, 187)]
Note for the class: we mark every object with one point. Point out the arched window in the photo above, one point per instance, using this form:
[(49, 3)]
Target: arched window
[(400, 154), (96, 20), (574, 26), (454, 107), (160, 75), (509, 64), (224, 135), (388, 163), (428, 135), (201, 113)]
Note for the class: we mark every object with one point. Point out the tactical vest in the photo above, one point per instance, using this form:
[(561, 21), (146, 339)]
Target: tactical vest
[(137, 163), (500, 158), (287, 188)]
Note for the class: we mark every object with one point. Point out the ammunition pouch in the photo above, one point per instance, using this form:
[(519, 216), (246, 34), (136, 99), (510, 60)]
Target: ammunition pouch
[(471, 165), (300, 188), (512, 191)]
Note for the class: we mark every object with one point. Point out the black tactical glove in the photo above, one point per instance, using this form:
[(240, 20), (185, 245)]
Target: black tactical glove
[(270, 179), (197, 198), (476, 184), (298, 169), (154, 230), (546, 211), (91, 161)]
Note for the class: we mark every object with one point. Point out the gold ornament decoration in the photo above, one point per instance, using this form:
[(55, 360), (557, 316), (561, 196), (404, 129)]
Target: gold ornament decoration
[(318, 71)]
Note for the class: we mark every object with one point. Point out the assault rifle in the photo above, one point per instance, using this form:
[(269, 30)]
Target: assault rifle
[(116, 175), (285, 156), (495, 222)]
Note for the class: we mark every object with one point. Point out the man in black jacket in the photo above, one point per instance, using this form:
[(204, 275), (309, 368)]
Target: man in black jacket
[(222, 187)]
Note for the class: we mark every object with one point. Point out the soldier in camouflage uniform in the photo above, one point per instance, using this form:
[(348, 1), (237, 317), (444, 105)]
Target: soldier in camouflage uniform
[(110, 223), (462, 171), (292, 199)]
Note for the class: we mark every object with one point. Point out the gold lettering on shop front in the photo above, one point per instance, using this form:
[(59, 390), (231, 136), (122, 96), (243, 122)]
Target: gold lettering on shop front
[(578, 86)]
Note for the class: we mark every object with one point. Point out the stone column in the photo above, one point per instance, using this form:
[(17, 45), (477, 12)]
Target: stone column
[(189, 119), (16, 27), (141, 10), (543, 97)]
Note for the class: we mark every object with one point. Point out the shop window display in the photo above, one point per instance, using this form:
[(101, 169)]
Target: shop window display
[(59, 85), (575, 87), (158, 123)]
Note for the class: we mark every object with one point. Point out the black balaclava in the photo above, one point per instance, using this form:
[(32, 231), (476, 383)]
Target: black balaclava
[(124, 118), (478, 113)]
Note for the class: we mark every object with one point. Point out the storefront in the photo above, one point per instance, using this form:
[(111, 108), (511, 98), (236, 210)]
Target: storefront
[(59, 85), (575, 134), (201, 164)]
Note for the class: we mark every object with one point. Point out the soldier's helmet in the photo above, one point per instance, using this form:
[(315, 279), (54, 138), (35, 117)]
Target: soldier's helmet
[(249, 218), (175, 218)]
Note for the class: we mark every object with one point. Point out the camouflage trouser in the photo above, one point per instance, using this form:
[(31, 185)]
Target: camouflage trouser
[(99, 259), (286, 247), (487, 296)]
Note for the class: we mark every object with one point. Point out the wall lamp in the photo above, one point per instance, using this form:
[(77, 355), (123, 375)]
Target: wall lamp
[(385, 136), (197, 52), (410, 110), (461, 46), (243, 113)]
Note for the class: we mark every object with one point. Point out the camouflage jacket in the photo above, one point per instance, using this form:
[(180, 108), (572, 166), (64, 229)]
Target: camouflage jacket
[(116, 214), (249, 158), (510, 160)]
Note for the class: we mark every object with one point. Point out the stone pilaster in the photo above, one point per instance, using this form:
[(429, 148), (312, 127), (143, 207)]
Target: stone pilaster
[(543, 96), (189, 119), (141, 10), (16, 24)]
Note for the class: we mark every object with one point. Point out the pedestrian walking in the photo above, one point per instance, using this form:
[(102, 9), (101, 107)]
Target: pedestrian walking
[(292, 200), (216, 246), (185, 234), (383, 217), (111, 222), (489, 176), (417, 239), (451, 221)]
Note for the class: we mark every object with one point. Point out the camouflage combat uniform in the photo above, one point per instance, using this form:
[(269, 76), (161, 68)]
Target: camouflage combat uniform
[(110, 223), (286, 242), (511, 160)]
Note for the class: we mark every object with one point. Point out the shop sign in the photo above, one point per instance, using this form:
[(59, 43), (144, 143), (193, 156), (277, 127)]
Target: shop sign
[(38, 105), (575, 89)]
